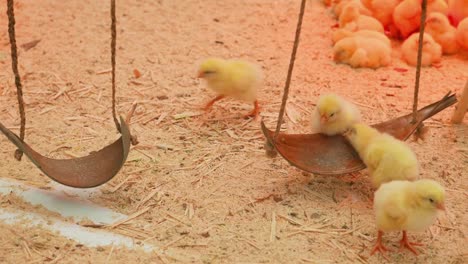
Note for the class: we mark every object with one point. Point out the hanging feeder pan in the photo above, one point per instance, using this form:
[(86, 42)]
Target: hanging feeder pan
[(85, 172), (333, 155)]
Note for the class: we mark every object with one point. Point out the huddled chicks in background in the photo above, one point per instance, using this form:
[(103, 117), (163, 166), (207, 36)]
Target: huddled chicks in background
[(402, 201), (446, 31)]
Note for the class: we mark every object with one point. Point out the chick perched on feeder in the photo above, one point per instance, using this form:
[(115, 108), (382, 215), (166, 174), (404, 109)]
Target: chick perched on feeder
[(386, 157), (232, 78), (333, 115)]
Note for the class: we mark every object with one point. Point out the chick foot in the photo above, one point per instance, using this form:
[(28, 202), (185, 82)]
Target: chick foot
[(210, 103), (254, 112), (404, 243), (379, 246)]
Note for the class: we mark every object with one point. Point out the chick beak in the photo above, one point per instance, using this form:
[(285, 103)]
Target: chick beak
[(441, 206), (201, 74), (323, 119)]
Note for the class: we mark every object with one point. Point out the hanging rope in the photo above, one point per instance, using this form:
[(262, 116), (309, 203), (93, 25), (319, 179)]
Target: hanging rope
[(113, 44), (418, 65), (14, 65), (290, 70)]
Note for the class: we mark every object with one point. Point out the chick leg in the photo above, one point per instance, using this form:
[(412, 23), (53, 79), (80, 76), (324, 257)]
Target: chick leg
[(379, 246), (255, 111), (404, 243), (210, 103)]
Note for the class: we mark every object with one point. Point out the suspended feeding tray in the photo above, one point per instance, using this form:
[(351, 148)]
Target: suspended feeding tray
[(85, 172), (332, 155)]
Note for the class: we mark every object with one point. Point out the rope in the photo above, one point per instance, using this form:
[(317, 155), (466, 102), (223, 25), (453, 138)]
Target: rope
[(418, 65), (113, 44), (14, 65), (290, 70)]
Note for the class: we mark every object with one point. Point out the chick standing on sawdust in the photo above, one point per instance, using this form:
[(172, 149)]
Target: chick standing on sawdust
[(333, 115), (438, 26), (462, 34), (359, 51), (406, 206), (386, 157), (431, 50), (232, 78)]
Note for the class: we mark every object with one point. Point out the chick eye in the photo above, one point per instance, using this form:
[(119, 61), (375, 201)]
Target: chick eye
[(209, 72), (431, 200), (332, 114)]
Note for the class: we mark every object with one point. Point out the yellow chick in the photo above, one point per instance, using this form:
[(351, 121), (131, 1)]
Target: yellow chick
[(342, 33), (232, 78), (462, 34), (351, 19), (407, 14), (431, 52), (438, 26), (386, 157), (360, 51), (333, 115), (439, 6), (457, 11), (406, 17), (341, 4), (382, 10), (406, 206)]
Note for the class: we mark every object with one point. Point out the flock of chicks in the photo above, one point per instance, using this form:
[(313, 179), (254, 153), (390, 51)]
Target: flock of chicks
[(402, 202), (364, 28)]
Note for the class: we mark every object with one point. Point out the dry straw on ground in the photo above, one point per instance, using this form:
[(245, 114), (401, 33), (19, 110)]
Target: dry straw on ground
[(200, 185)]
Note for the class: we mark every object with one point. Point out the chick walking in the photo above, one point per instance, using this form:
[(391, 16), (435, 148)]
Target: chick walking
[(232, 78)]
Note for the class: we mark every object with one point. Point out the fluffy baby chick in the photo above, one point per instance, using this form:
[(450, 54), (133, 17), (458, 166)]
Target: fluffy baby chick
[(360, 51), (351, 19), (438, 26), (439, 6), (341, 4), (342, 33), (386, 157), (462, 34), (431, 51), (232, 78), (407, 16), (382, 10), (406, 206), (333, 115), (457, 11)]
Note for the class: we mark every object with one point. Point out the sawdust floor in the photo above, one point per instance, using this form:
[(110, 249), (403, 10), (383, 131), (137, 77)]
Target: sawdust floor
[(211, 192)]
